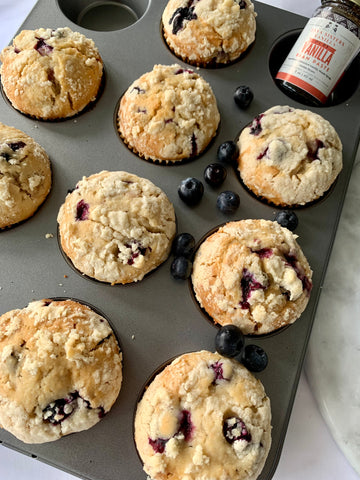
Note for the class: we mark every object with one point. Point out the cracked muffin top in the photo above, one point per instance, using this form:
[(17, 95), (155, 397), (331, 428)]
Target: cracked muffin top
[(25, 176), (116, 227), (203, 417), (253, 274), (169, 114), (289, 156), (60, 369), (51, 74), (206, 32)]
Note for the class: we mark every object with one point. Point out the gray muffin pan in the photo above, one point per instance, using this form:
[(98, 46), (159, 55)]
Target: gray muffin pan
[(157, 318)]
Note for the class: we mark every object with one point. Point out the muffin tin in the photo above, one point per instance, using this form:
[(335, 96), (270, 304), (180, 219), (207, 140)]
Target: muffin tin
[(157, 318)]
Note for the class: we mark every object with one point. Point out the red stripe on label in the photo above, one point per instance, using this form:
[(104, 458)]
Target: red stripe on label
[(287, 77)]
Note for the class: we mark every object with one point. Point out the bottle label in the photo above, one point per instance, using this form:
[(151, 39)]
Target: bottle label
[(319, 57)]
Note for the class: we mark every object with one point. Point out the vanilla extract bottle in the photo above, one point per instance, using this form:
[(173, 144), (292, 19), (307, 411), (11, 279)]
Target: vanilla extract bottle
[(324, 50)]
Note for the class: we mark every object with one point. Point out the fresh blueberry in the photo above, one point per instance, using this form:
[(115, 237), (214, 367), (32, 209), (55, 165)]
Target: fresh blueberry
[(228, 152), (181, 268), (215, 174), (183, 245), (228, 202), (287, 219), (191, 190), (229, 341), (254, 358), (243, 96)]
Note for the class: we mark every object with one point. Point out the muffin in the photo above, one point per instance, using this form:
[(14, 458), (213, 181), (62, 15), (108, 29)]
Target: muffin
[(116, 227), (210, 32), (168, 115), (25, 176), (289, 157), (203, 417), (51, 74), (60, 370), (253, 274)]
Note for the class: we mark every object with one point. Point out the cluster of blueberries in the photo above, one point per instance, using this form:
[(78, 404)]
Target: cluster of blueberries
[(229, 340)]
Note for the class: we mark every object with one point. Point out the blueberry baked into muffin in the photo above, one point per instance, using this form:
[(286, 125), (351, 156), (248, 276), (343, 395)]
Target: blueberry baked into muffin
[(25, 176), (60, 370), (51, 74), (209, 32), (168, 115), (116, 227), (203, 416), (288, 156), (253, 274)]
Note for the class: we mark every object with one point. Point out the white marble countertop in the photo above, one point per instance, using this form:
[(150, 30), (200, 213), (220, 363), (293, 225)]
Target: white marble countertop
[(310, 451)]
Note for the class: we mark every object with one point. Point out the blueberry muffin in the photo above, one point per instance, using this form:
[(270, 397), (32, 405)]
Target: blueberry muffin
[(203, 417), (51, 74), (289, 157), (116, 227), (60, 370), (253, 274), (25, 176), (168, 115), (210, 32)]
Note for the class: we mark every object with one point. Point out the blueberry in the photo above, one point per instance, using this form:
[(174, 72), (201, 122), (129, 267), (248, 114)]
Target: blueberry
[(228, 202), (181, 268), (215, 174), (228, 152), (229, 341), (254, 358), (183, 245), (287, 219), (179, 16), (82, 211), (235, 429), (191, 190), (243, 96)]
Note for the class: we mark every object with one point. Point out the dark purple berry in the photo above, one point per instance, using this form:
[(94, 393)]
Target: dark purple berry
[(263, 252), (255, 127), (218, 372), (5, 156), (242, 4), (82, 211), (158, 444), (313, 148), (181, 268), (186, 426), (228, 202), (16, 146), (215, 174), (191, 190), (234, 429), (243, 96), (179, 16), (228, 152), (43, 48), (229, 341), (248, 285), (60, 409), (254, 358), (287, 219), (293, 262), (183, 245), (193, 145)]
